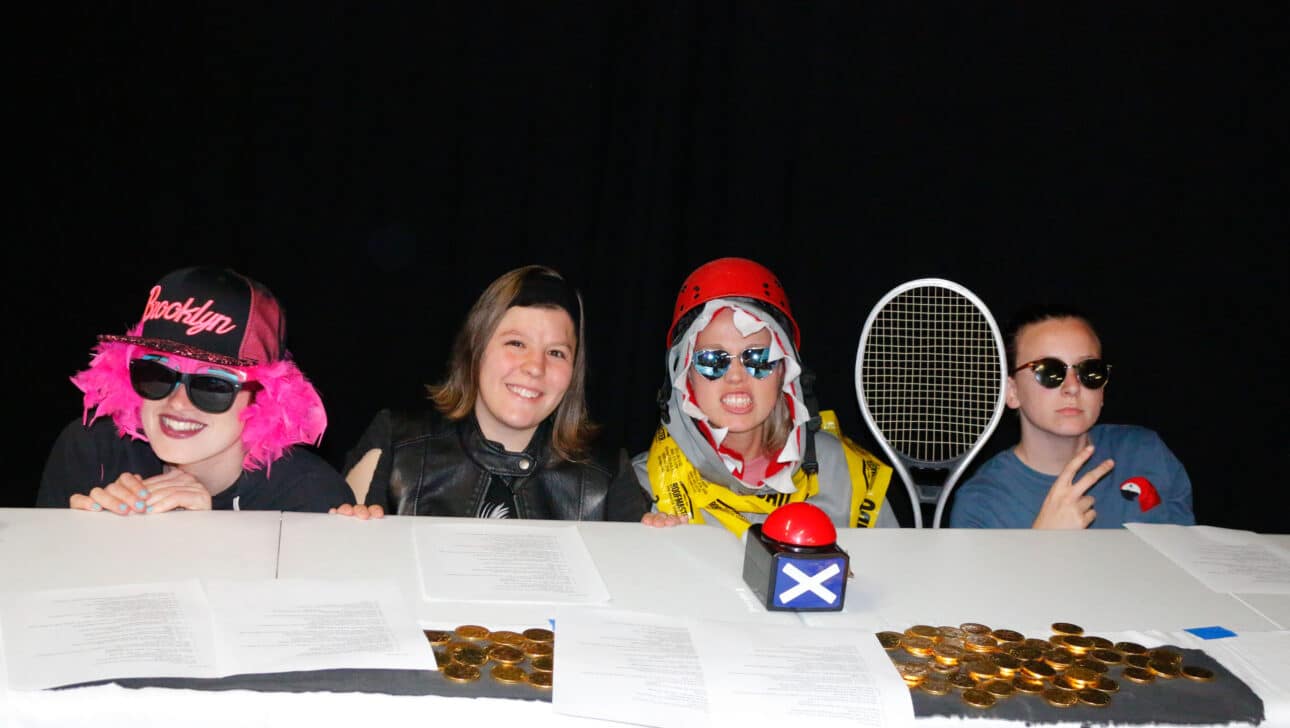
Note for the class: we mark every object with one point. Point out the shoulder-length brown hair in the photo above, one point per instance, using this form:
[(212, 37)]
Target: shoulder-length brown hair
[(455, 396)]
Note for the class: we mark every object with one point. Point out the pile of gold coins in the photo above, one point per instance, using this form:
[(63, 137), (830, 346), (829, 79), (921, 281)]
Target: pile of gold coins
[(509, 658), (985, 666)]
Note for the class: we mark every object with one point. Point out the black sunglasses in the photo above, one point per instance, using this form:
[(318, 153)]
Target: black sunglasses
[(212, 393), (1050, 372)]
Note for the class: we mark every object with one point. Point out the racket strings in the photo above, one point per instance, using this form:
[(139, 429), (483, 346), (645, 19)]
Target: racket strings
[(931, 374)]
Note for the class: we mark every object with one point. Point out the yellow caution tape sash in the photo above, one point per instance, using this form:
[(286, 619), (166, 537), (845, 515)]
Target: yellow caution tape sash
[(681, 490)]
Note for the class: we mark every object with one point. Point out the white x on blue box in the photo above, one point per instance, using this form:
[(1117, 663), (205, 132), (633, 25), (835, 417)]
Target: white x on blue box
[(810, 583)]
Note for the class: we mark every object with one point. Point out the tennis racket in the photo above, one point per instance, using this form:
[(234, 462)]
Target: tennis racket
[(931, 378)]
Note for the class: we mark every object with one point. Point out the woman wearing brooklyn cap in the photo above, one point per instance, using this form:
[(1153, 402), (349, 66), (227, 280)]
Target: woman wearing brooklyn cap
[(509, 435), (198, 407), (738, 438)]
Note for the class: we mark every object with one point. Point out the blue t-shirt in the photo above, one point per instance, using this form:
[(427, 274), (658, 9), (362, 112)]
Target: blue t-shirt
[(1005, 493)]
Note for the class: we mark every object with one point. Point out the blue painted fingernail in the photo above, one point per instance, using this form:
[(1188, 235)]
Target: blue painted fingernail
[(150, 509), (121, 508), (139, 504), (96, 507), (143, 493)]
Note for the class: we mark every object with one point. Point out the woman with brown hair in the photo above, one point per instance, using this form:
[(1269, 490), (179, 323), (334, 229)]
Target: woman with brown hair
[(509, 435)]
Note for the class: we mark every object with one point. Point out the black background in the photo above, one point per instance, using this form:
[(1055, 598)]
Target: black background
[(378, 164)]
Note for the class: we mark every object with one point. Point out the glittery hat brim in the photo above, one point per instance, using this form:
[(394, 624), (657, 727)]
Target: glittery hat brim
[(173, 347)]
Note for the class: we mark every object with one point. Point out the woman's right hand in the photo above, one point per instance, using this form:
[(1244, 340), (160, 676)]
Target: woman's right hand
[(123, 496), (360, 512), (664, 520)]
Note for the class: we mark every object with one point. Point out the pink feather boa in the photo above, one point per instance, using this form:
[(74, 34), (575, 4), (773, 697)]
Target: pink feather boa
[(286, 410)]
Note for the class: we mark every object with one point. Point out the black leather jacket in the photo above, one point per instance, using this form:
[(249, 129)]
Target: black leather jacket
[(430, 466)]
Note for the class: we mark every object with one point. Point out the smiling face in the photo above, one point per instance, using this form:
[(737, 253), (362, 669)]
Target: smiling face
[(185, 436), (736, 400), (1069, 410), (524, 372)]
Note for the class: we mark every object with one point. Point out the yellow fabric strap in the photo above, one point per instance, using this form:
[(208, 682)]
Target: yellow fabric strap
[(681, 490)]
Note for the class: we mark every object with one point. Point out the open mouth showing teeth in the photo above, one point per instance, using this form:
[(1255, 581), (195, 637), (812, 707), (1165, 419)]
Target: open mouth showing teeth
[(736, 401), (524, 392), (181, 425)]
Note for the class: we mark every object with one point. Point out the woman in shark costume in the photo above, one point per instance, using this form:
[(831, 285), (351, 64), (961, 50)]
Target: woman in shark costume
[(737, 438)]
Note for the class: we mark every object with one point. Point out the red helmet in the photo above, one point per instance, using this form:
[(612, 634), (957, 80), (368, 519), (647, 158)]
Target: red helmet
[(732, 278)]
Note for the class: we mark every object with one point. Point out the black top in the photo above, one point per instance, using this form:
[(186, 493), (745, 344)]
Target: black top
[(430, 466), (84, 458)]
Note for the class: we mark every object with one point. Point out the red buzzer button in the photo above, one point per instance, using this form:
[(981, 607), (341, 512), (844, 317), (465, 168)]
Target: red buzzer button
[(800, 524)]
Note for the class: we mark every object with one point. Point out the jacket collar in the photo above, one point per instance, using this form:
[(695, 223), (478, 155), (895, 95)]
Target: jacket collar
[(494, 458)]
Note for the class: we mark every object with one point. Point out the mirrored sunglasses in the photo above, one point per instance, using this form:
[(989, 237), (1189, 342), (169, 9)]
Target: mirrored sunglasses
[(213, 392), (1050, 372), (714, 363)]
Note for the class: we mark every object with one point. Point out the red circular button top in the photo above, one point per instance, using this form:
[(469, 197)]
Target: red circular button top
[(800, 524)]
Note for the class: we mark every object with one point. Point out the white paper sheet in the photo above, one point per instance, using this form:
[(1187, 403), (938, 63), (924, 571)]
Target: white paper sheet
[(474, 563), (662, 671), (64, 636), (780, 675), (1225, 560), (300, 624), (173, 629)]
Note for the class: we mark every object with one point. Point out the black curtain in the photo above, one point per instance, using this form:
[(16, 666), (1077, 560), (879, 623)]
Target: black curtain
[(378, 165)]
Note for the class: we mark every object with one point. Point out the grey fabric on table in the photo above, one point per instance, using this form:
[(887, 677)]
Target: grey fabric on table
[(390, 682), (1226, 699)]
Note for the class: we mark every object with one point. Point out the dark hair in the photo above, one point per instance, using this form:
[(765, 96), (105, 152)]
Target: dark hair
[(455, 395), (1038, 313)]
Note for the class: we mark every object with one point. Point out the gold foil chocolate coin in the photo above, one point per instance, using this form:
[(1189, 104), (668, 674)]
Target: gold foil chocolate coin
[(1060, 697), (1067, 628), (1197, 673), (999, 688), (954, 633), (1107, 685), (437, 636), (538, 649), (1026, 686), (506, 654), (1136, 660), (1095, 698), (508, 674), (978, 698), (974, 628), (472, 632), (935, 685), (1007, 635), (537, 634), (506, 637), (1130, 648), (963, 682), (544, 663), (1038, 670), (917, 646), (1166, 670), (1100, 643), (1140, 675), (947, 654), (1089, 663), (457, 672), (889, 640), (474, 656), (913, 673), (924, 630), (541, 680), (1106, 656)]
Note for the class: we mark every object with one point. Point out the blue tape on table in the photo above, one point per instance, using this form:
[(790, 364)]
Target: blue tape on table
[(1211, 633)]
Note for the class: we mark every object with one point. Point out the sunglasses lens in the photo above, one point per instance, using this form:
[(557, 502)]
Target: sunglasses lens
[(757, 362), (711, 363), (152, 380), (1050, 372), (210, 393), (1093, 373)]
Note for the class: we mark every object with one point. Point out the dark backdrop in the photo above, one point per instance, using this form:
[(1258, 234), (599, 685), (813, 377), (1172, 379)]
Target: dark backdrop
[(378, 165)]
